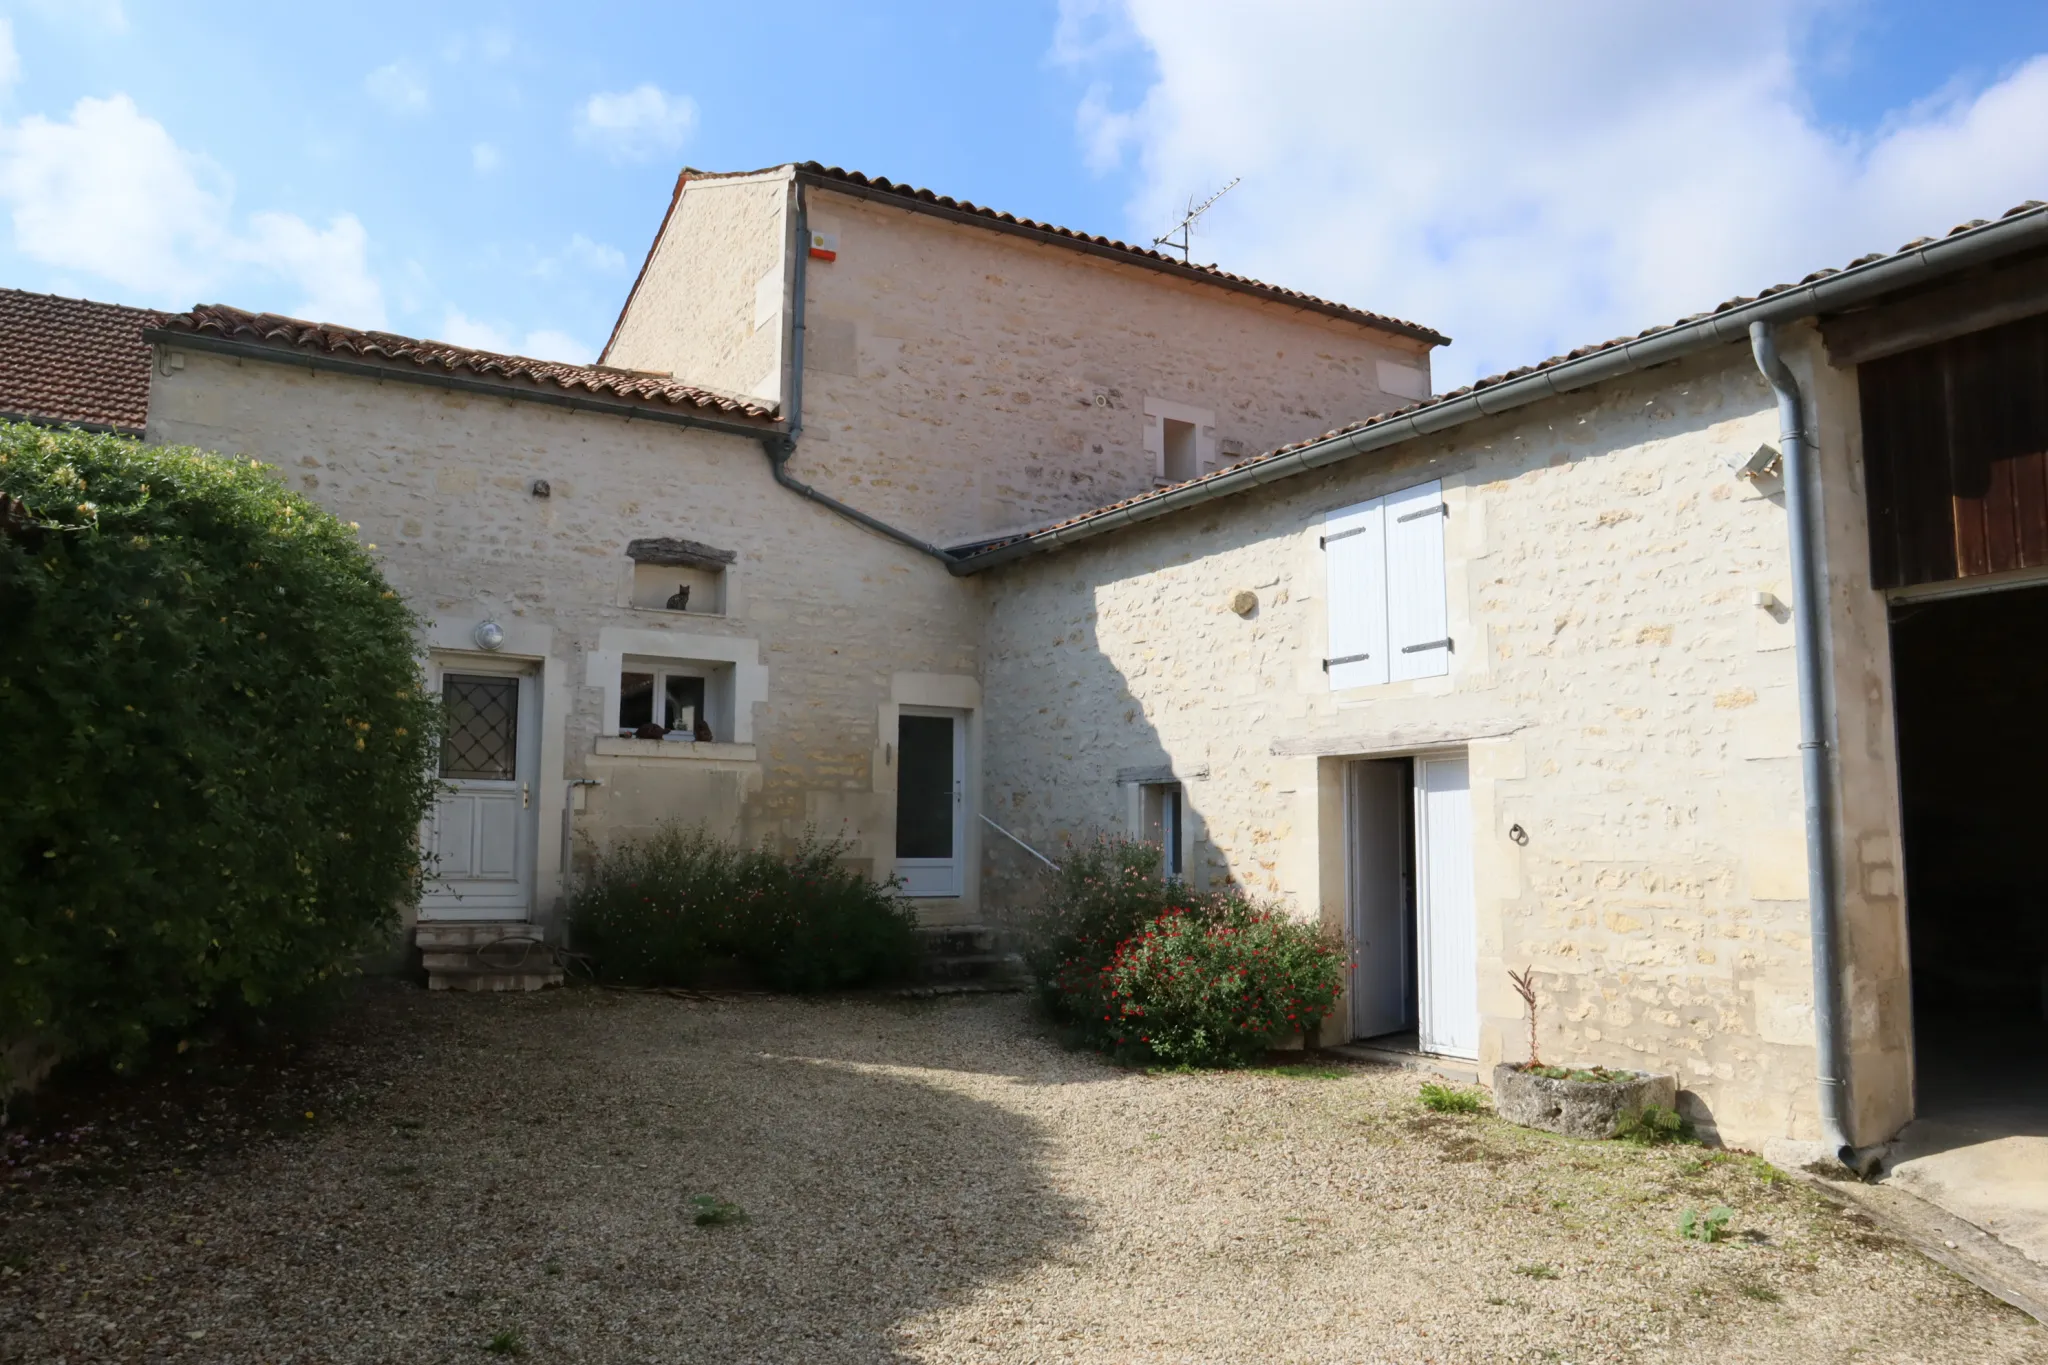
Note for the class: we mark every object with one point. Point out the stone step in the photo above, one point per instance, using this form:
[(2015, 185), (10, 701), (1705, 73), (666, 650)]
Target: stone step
[(443, 933), (486, 955), (957, 940), (975, 967)]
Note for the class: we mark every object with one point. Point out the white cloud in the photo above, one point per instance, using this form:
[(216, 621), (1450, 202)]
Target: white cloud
[(595, 255), (399, 87), (632, 124), (1531, 178), (459, 329), (109, 192), (485, 158), (10, 60)]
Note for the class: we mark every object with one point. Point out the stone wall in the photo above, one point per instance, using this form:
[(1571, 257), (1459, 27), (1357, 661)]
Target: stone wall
[(831, 627), (967, 383), (709, 305), (1621, 693)]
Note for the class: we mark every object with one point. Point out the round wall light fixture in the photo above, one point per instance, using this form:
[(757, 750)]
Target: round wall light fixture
[(489, 635)]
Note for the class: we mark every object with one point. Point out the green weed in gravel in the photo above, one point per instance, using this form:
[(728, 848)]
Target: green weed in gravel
[(1711, 1226), (1537, 1271), (506, 1343), (1446, 1099), (712, 1212)]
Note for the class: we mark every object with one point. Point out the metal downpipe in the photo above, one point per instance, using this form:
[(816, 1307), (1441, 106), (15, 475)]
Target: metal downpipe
[(782, 444), (1816, 761)]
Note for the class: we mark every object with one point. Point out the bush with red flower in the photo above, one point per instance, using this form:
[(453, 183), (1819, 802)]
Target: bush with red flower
[(1147, 968)]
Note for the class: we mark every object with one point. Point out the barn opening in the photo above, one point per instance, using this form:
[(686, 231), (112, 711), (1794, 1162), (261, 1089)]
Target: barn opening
[(1972, 698), (1956, 458)]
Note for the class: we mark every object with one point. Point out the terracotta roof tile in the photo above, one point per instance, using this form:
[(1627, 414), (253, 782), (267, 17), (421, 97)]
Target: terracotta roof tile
[(269, 329), (1434, 400), (73, 360)]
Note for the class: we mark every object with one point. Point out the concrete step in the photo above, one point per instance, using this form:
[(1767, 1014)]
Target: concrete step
[(431, 934)]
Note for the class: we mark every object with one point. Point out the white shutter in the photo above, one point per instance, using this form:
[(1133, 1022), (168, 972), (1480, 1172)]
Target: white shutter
[(1418, 633), (1155, 444), (1355, 587)]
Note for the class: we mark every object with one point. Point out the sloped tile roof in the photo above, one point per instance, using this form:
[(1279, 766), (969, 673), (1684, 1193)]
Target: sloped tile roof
[(1491, 381), (269, 329), (73, 360)]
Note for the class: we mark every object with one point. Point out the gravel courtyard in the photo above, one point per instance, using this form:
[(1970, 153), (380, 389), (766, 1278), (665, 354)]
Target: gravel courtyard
[(931, 1181)]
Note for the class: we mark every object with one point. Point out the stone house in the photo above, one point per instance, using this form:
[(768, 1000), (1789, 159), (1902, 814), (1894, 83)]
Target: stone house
[(654, 599), (1648, 667)]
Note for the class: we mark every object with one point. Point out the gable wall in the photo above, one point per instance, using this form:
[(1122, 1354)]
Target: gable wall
[(709, 306), (1618, 692), (847, 624), (952, 372)]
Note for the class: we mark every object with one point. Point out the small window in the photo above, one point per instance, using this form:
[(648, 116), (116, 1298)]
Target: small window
[(1160, 810), (1181, 461), (663, 703)]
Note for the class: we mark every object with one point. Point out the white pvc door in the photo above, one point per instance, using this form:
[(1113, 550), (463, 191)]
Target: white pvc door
[(479, 841), (1448, 938), (931, 802)]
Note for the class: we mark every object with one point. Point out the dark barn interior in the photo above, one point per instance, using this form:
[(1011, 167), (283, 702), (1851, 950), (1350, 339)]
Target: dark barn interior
[(1972, 696)]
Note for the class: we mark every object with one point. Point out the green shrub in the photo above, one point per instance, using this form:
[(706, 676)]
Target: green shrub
[(1144, 966), (217, 749), (1105, 891), (1222, 987), (682, 908)]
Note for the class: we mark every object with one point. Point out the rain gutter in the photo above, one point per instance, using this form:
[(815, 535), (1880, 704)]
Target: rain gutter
[(1816, 760), (1842, 289), (781, 444)]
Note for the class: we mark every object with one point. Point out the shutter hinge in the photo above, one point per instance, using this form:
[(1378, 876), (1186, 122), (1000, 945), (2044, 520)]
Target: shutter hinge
[(1323, 542), (1344, 659), (1444, 644), (1442, 509)]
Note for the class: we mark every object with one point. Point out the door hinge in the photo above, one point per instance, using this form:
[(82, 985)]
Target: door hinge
[(1444, 643), (1344, 659), (525, 796), (1323, 542), (1442, 509)]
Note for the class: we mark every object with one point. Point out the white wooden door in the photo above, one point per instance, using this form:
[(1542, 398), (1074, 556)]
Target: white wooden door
[(479, 841), (1447, 964), (931, 802), (1375, 793)]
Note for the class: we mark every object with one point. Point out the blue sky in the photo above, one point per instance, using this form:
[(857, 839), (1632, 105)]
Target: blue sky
[(493, 174)]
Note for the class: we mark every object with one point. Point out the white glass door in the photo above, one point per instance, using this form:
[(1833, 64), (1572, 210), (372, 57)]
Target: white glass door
[(479, 840), (931, 802)]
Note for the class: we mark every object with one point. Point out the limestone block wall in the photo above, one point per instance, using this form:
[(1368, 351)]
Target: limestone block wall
[(965, 383), (440, 484), (709, 305), (1619, 692)]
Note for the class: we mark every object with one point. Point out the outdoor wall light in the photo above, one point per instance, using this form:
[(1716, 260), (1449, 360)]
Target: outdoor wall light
[(489, 635)]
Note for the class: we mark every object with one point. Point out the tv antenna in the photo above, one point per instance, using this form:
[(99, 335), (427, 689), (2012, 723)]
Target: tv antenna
[(1184, 230)]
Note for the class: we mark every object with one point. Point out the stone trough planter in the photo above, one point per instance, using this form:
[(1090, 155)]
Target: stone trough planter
[(1584, 1109)]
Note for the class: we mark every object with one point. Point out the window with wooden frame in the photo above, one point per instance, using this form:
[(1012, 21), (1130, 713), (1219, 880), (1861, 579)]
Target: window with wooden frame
[(666, 701)]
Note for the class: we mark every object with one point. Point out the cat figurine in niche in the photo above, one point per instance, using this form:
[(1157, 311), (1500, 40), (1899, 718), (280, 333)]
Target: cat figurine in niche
[(680, 601)]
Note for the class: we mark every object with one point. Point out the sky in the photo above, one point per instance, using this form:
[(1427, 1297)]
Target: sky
[(1524, 178)]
